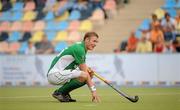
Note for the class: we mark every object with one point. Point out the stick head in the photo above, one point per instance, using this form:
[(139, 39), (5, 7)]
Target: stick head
[(133, 99)]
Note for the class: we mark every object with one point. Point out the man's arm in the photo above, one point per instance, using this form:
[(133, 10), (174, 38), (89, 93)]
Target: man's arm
[(83, 67), (89, 82)]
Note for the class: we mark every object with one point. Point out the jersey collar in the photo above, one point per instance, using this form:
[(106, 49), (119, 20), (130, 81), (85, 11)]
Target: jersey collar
[(83, 45)]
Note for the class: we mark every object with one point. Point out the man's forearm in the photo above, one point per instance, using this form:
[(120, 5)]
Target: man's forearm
[(89, 81)]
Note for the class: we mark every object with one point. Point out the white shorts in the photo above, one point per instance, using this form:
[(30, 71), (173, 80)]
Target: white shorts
[(61, 77)]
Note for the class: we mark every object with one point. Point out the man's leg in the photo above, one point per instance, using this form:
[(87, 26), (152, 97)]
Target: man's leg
[(78, 79), (69, 86), (62, 94)]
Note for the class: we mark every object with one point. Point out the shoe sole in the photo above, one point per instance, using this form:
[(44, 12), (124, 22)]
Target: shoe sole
[(61, 100), (56, 97)]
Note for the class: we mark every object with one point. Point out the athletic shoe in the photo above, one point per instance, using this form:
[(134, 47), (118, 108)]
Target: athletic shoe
[(63, 97), (70, 99)]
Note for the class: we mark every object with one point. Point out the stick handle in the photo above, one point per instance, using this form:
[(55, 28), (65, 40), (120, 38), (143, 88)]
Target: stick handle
[(98, 76), (132, 99), (101, 78)]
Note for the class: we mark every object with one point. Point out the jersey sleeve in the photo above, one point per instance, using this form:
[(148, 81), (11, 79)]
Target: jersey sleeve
[(79, 55)]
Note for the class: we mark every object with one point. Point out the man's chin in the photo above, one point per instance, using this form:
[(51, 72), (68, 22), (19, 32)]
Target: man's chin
[(92, 49)]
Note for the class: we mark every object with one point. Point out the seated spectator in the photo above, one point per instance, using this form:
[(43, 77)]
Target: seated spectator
[(31, 48), (25, 37), (6, 5), (44, 47), (40, 4), (169, 48), (40, 15), (178, 24), (176, 45), (168, 25), (116, 50), (4, 48), (4, 36), (121, 48), (154, 21), (62, 7), (156, 34), (132, 43), (146, 34), (13, 48), (80, 5), (159, 46), (98, 4), (49, 4), (144, 45), (84, 7), (29, 5), (110, 8)]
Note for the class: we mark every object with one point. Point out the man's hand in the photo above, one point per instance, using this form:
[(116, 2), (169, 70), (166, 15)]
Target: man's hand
[(95, 97), (91, 72)]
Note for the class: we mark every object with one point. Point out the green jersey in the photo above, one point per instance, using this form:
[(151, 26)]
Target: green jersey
[(69, 58)]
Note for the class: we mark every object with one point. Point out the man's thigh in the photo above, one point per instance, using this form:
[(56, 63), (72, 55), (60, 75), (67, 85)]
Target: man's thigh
[(59, 78)]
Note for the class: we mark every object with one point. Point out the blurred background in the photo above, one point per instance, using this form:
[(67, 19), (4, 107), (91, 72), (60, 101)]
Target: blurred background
[(139, 39)]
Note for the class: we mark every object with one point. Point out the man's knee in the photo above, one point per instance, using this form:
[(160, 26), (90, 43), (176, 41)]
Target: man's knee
[(83, 77)]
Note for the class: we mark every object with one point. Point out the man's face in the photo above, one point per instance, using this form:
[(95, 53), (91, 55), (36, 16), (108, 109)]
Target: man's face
[(91, 42)]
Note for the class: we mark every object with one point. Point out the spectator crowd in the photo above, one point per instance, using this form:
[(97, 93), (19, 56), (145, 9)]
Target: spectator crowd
[(160, 34), (48, 26)]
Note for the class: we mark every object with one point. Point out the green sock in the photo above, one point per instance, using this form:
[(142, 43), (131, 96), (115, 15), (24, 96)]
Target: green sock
[(69, 86)]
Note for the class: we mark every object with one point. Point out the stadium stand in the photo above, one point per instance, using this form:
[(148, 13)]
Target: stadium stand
[(23, 47), (14, 36), (37, 36), (61, 36), (33, 19), (61, 21), (73, 25), (162, 30), (18, 6), (74, 36), (75, 15), (29, 6), (60, 46), (50, 35), (39, 25), (4, 47), (16, 26)]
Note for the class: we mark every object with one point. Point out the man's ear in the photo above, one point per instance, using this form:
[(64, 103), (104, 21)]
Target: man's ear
[(87, 40)]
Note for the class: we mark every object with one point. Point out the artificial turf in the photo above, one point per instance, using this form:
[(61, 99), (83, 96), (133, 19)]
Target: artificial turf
[(39, 98)]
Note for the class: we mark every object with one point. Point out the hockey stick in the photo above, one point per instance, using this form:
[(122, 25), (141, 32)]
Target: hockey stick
[(130, 98)]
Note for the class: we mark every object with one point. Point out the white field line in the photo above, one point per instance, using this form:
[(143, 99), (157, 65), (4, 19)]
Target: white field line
[(84, 95)]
